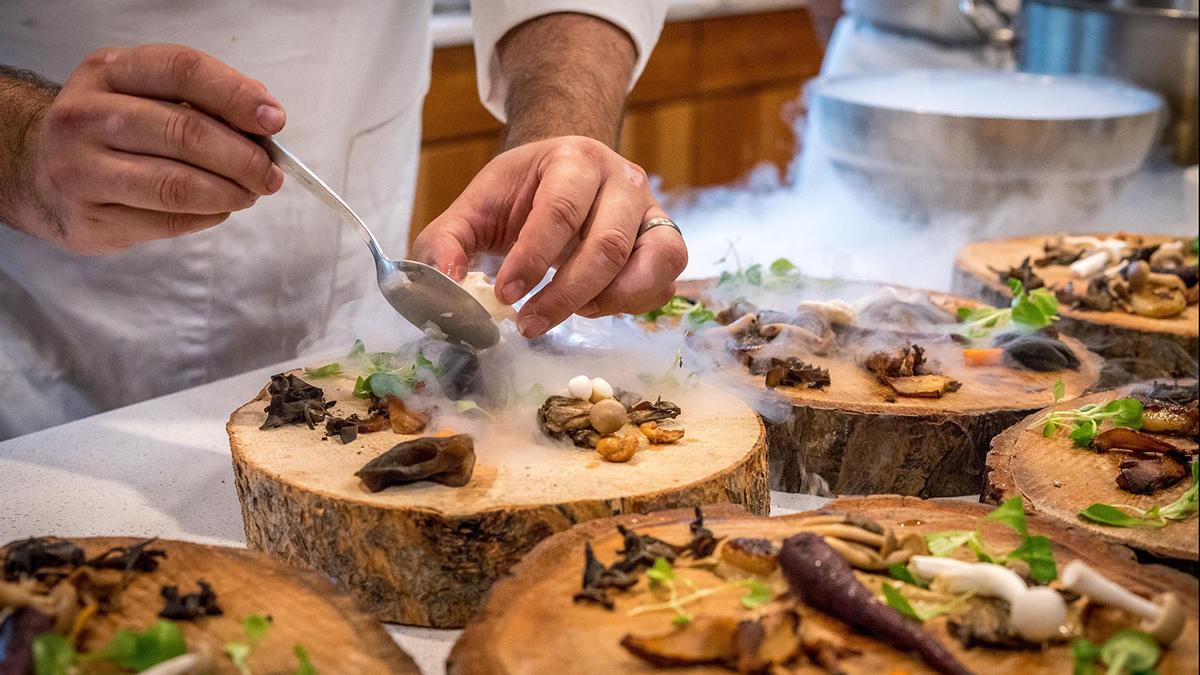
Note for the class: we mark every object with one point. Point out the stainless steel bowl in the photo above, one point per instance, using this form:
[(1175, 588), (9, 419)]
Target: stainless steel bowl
[(921, 143), (938, 20)]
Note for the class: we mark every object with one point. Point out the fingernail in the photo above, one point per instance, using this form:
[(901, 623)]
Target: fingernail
[(512, 292), (274, 179), (533, 325), (270, 117)]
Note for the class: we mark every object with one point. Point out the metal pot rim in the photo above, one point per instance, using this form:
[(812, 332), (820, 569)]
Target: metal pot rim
[(1153, 101), (1110, 7)]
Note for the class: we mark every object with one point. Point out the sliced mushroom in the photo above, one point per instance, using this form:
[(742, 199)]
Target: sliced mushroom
[(446, 460), (660, 436), (402, 419), (645, 411), (922, 386), (1129, 439), (1147, 475), (1170, 418), (771, 640), (705, 640), (756, 556)]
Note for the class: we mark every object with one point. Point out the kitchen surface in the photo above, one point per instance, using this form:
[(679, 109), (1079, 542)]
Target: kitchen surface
[(920, 397)]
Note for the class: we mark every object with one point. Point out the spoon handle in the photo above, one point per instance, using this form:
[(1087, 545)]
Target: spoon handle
[(297, 169)]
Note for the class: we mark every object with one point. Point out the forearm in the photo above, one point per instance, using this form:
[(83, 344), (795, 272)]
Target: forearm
[(567, 75), (24, 98)]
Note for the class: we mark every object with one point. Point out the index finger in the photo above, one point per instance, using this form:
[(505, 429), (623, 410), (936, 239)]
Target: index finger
[(182, 74)]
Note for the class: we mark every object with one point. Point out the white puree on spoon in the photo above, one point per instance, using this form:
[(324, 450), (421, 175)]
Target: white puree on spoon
[(477, 284)]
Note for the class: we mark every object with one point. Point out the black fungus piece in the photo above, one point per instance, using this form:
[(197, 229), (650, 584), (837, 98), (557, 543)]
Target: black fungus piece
[(660, 410), (823, 579), (703, 542), (17, 633), (24, 558), (294, 401), (1056, 255), (345, 428), (137, 557), (1023, 273), (1038, 351), (458, 372), (791, 372), (449, 461), (639, 551), (190, 606), (597, 579)]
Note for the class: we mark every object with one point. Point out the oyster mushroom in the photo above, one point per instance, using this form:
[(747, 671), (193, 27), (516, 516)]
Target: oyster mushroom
[(1129, 439), (660, 436), (791, 338), (1163, 618), (1169, 254), (449, 461), (645, 411)]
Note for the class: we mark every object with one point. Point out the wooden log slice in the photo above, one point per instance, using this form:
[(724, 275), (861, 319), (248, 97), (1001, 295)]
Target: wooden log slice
[(425, 554), (530, 624), (1142, 347), (304, 607), (1057, 480), (851, 439)]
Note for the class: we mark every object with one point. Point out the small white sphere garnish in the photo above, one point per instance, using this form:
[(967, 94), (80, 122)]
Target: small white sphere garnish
[(1037, 613), (601, 389), (477, 284), (580, 386)]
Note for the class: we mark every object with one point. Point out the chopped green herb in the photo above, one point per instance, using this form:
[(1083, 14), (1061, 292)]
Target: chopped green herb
[(897, 602), (306, 667), (902, 573), (920, 612), (255, 627), (1085, 652), (1060, 390), (662, 578), (694, 312), (1123, 515), (328, 370), (138, 651), (1035, 550), (660, 572), (53, 654), (1084, 422), (757, 595), (1032, 310), (1129, 651)]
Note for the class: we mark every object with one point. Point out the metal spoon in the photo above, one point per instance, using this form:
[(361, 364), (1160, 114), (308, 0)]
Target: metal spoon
[(420, 293)]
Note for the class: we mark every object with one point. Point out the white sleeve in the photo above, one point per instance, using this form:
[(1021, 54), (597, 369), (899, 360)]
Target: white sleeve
[(641, 19)]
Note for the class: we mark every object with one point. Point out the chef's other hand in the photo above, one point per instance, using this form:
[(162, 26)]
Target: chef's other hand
[(144, 143), (571, 203)]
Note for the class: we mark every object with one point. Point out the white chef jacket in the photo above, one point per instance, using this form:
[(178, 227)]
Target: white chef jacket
[(83, 334)]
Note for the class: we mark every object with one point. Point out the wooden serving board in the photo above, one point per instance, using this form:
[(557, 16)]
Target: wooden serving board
[(530, 625), (304, 607), (1057, 480), (857, 442), (1168, 346), (425, 553)]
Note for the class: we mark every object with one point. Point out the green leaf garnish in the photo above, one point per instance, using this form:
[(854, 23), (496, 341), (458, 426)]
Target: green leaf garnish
[(782, 267), (53, 654), (327, 370), (255, 627), (918, 611), (1031, 310), (1085, 652), (1084, 422), (138, 651), (306, 667), (902, 573), (1123, 515), (694, 312), (1060, 390), (757, 595), (660, 572), (1035, 550), (1129, 651), (898, 602)]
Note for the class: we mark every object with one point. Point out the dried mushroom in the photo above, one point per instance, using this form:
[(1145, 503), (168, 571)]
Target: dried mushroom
[(703, 542), (294, 401), (1129, 439), (190, 606), (346, 429), (1024, 272), (597, 579), (1041, 351), (567, 417), (756, 556), (1147, 475), (449, 461), (660, 435), (139, 557), (1165, 417), (402, 419), (747, 646), (904, 370), (617, 448), (791, 372), (659, 410), (27, 557)]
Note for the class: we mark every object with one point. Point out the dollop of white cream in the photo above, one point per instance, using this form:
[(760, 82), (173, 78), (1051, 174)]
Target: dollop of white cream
[(480, 288)]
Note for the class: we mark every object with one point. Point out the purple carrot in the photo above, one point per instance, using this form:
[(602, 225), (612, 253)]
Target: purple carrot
[(820, 577)]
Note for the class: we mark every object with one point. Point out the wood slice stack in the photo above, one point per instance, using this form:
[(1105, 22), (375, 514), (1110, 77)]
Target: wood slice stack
[(1140, 347), (530, 624), (426, 554), (853, 437)]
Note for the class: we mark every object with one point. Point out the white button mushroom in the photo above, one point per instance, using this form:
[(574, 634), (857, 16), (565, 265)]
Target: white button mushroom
[(1035, 613), (601, 389), (580, 386), (1164, 618)]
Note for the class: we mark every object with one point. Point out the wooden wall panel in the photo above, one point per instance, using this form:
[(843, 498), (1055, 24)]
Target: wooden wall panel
[(715, 100)]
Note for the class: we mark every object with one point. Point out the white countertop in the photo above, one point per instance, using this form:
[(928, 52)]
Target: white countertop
[(162, 468), (453, 29)]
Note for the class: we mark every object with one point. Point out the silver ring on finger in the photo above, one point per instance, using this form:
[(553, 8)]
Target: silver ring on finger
[(659, 221)]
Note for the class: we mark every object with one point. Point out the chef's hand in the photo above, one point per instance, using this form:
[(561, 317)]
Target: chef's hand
[(571, 203), (144, 143)]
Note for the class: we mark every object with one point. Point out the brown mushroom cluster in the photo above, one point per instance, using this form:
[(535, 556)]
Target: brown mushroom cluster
[(1152, 460), (905, 371), (604, 424)]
